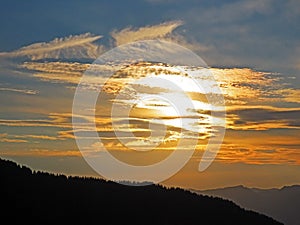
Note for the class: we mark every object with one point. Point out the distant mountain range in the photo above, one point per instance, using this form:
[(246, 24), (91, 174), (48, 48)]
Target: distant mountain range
[(281, 204), (29, 197)]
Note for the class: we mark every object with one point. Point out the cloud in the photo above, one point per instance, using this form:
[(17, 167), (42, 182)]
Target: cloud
[(42, 153), (63, 72), (244, 85), (59, 127), (248, 118), (249, 94), (242, 88), (260, 147), (235, 11), (239, 85), (268, 151), (231, 28), (163, 31), (74, 46), (58, 120), (83, 46), (23, 91), (289, 95), (4, 137), (149, 32), (42, 137)]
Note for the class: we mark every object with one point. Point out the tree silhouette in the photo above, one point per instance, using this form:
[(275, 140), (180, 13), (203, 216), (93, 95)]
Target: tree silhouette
[(41, 198)]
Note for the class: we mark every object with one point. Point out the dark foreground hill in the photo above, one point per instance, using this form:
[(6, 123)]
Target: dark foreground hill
[(282, 204), (40, 198)]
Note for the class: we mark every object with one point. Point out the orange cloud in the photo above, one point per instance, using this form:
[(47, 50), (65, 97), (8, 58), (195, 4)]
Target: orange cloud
[(5, 138), (260, 147), (42, 153), (42, 137)]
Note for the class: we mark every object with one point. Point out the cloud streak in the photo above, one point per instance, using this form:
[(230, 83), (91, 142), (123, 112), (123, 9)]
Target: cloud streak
[(42, 153), (4, 137), (129, 34), (273, 147), (23, 91), (74, 46), (264, 118), (63, 72)]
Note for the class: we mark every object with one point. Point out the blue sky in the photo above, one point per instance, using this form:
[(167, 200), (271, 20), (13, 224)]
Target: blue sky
[(262, 34)]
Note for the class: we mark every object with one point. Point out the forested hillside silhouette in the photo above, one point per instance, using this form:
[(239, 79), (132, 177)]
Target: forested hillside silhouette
[(29, 197)]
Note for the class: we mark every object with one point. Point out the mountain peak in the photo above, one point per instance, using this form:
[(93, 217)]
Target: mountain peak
[(281, 204)]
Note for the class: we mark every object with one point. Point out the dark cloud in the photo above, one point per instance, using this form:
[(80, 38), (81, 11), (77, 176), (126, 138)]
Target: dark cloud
[(260, 115)]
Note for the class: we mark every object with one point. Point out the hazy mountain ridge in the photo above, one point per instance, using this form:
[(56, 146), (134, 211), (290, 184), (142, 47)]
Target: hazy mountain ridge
[(42, 198), (281, 204)]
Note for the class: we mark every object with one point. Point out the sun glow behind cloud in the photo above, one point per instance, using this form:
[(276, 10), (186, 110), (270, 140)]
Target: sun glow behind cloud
[(256, 101), (244, 89), (150, 102)]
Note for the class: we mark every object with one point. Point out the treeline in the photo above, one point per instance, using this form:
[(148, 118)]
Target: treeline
[(29, 197)]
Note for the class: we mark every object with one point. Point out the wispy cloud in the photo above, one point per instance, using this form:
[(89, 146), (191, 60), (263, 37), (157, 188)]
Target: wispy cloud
[(74, 46), (290, 95), (235, 11), (42, 137), (261, 147), (249, 118), (42, 153), (149, 32), (23, 91), (4, 137), (83, 46), (62, 121), (64, 72)]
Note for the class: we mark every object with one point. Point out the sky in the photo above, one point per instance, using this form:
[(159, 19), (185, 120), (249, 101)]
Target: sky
[(251, 48)]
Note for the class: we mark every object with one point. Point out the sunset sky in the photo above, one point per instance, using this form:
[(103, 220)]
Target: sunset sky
[(251, 48)]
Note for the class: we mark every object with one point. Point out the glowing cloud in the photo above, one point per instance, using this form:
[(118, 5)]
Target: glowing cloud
[(149, 32)]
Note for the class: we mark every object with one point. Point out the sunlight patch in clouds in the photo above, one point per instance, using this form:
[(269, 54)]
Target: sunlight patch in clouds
[(243, 88)]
